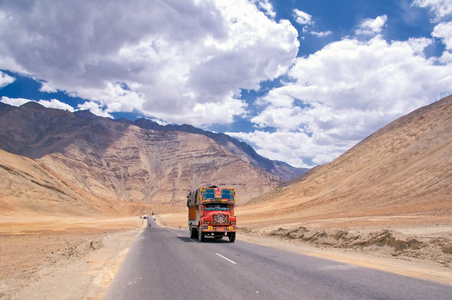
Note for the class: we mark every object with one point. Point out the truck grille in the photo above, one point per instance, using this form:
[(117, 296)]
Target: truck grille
[(220, 219)]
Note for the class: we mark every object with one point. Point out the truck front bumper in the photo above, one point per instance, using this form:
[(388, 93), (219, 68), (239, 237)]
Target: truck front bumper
[(206, 228)]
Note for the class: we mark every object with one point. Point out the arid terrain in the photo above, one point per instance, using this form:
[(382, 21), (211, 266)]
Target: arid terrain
[(386, 204), (77, 258), (52, 258)]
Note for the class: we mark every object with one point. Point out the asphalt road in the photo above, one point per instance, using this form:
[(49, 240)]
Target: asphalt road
[(166, 264)]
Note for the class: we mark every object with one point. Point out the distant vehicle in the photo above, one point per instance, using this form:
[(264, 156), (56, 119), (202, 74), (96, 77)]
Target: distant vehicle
[(211, 212)]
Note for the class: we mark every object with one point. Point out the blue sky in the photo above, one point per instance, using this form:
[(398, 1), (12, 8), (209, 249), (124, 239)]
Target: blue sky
[(300, 81)]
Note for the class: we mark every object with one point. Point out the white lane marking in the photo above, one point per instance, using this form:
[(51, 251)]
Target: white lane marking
[(231, 261), (179, 234)]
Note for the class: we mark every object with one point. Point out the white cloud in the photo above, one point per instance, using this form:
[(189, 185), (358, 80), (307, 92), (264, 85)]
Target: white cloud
[(302, 17), (278, 144), (54, 103), (444, 31), (14, 101), (47, 88), (57, 104), (321, 33), (163, 58), (5, 79), (267, 7), (372, 26), (94, 108), (441, 8), (344, 92), (446, 58), (305, 19)]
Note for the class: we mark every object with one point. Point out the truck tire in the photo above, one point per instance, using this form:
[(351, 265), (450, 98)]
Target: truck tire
[(193, 233), (201, 235), (231, 236)]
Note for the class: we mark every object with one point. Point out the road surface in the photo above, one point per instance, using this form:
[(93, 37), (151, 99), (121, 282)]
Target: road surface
[(166, 264)]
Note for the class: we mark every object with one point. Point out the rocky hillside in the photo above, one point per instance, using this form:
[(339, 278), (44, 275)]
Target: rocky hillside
[(402, 172), (134, 161), (240, 149), (28, 187)]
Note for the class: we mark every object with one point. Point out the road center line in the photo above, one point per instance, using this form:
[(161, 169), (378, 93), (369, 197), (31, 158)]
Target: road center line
[(231, 261)]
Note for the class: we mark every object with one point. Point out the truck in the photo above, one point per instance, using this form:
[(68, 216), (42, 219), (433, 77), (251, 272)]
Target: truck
[(211, 212)]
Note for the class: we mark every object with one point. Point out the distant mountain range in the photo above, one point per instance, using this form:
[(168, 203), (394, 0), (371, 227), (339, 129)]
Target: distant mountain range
[(136, 161)]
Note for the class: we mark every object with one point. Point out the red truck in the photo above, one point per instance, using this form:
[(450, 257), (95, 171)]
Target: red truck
[(211, 212)]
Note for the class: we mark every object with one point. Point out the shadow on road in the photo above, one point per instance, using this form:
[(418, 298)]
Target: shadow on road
[(207, 240), (186, 239)]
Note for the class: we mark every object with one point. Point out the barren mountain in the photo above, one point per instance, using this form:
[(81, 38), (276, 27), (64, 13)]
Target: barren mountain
[(29, 188), (240, 149), (402, 174), (132, 163)]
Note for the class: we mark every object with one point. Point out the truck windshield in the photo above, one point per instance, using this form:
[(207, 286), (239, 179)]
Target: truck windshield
[(217, 206)]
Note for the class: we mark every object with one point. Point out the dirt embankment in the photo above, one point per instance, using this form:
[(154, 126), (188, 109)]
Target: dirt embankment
[(434, 247)]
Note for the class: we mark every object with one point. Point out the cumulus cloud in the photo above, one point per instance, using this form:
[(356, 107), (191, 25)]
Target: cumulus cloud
[(47, 88), (5, 79), (305, 19), (372, 26), (267, 7), (95, 108), (440, 8), (53, 103), (444, 31), (164, 58), (336, 97), (14, 101), (344, 92), (302, 17)]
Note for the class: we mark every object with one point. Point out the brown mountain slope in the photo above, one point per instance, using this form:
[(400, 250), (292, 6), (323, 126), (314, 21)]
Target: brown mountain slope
[(29, 188), (402, 172), (142, 165)]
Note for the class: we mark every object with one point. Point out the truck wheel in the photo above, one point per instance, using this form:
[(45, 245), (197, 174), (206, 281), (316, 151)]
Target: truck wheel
[(231, 236), (201, 235), (193, 233)]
